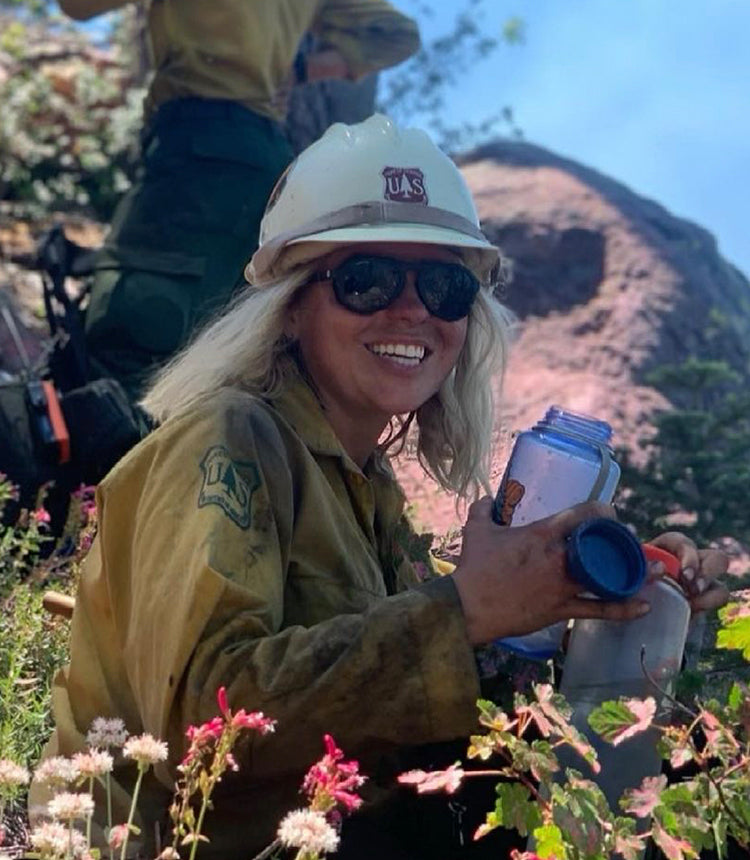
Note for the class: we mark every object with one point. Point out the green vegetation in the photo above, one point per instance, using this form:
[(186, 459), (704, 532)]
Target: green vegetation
[(695, 466)]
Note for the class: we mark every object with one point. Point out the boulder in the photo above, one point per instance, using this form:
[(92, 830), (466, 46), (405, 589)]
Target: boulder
[(606, 285)]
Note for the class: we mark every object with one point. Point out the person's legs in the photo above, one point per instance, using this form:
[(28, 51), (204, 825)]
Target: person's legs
[(181, 236)]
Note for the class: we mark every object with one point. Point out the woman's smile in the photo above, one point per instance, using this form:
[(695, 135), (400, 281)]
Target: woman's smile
[(367, 368)]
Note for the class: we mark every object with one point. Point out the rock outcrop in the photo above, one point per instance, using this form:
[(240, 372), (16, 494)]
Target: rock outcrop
[(606, 285)]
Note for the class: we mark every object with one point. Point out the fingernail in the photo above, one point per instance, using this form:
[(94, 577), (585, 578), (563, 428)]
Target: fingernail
[(657, 568), (688, 574), (700, 585), (643, 608)]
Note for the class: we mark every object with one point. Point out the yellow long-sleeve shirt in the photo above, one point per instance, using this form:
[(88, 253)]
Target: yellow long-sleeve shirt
[(240, 546), (243, 50)]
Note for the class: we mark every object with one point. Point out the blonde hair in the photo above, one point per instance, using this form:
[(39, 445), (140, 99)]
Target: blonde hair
[(245, 345)]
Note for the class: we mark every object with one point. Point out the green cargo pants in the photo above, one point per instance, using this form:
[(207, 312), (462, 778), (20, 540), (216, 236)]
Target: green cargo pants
[(182, 235)]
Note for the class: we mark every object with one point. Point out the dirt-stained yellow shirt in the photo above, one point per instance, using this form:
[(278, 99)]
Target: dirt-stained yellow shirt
[(243, 50), (240, 546)]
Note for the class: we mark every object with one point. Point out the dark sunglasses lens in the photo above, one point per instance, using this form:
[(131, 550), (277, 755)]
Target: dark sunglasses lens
[(447, 290), (367, 284)]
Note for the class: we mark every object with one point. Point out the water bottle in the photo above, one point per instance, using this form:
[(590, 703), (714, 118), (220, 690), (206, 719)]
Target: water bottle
[(603, 662), (563, 460)]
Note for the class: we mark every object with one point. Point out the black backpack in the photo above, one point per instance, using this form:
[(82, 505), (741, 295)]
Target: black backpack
[(58, 426)]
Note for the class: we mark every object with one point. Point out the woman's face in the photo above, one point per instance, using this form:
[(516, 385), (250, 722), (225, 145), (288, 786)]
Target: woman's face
[(369, 368)]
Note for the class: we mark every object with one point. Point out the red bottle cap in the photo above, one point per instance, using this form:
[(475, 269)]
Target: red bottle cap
[(671, 562)]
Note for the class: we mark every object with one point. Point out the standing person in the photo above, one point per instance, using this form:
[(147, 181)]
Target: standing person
[(257, 539), (212, 149)]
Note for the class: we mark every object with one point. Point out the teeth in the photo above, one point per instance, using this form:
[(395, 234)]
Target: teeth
[(399, 349)]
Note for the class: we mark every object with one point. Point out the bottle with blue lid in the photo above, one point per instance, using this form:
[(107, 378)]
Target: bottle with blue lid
[(563, 460)]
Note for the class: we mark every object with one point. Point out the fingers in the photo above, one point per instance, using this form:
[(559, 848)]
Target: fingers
[(716, 595), (699, 569)]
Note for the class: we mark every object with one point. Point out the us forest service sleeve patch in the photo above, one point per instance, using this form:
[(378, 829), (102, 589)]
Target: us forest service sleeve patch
[(223, 485)]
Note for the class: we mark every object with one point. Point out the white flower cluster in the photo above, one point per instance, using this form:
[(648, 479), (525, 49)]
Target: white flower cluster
[(145, 749), (104, 733), (12, 774), (71, 806), (57, 772), (53, 839), (93, 763), (309, 831)]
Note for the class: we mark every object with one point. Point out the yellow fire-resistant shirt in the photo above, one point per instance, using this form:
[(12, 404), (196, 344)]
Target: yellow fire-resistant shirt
[(243, 50), (239, 545)]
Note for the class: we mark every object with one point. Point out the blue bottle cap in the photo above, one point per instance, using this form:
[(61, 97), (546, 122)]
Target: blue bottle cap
[(606, 558)]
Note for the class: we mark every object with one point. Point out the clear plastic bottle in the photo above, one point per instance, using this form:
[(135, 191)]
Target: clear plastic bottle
[(563, 460), (603, 662)]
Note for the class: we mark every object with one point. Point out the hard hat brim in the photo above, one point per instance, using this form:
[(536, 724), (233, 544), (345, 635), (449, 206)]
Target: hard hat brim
[(479, 255), (402, 233)]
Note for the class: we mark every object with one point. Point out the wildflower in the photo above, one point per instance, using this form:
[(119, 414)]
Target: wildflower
[(254, 720), (57, 772), (104, 733), (145, 749), (201, 735), (84, 495), (12, 775), (69, 806), (41, 517), (93, 763), (169, 853), (309, 831), (331, 780), (117, 836), (51, 839), (242, 720)]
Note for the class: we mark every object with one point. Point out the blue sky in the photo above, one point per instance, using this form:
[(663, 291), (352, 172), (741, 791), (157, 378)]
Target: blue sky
[(654, 93)]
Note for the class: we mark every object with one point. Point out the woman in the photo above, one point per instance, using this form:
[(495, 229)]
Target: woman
[(257, 539)]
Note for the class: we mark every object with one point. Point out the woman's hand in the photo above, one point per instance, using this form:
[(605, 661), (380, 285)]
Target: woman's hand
[(513, 581), (698, 570)]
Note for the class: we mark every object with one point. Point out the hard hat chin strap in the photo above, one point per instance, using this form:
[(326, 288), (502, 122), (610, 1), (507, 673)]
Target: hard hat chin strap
[(373, 212)]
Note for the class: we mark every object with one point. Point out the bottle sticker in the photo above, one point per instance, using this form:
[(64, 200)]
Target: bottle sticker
[(508, 496)]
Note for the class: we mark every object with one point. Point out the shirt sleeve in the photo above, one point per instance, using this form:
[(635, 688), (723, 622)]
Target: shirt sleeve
[(370, 34), (203, 607)]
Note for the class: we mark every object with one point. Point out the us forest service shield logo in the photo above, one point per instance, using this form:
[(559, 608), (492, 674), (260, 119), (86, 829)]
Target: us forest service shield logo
[(404, 184), (224, 486)]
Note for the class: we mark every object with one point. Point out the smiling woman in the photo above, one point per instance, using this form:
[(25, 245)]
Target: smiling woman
[(257, 539)]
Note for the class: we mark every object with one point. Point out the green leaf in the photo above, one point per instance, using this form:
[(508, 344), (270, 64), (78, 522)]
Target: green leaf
[(735, 635), (549, 842), (674, 848), (540, 760), (616, 721), (719, 828), (515, 809), (736, 696), (627, 842)]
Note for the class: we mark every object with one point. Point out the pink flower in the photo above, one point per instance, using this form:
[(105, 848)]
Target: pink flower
[(331, 780), (242, 720), (254, 720), (117, 836), (41, 517), (221, 698), (203, 734)]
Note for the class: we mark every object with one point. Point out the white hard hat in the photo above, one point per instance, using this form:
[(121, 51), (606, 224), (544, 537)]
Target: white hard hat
[(369, 182)]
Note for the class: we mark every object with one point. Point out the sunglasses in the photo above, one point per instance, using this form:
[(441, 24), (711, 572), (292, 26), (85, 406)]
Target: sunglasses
[(365, 284)]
